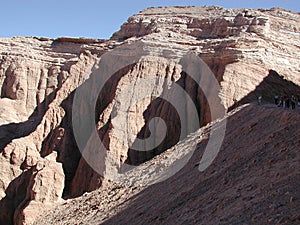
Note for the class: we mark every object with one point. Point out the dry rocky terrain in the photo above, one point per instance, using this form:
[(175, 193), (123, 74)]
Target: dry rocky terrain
[(250, 182), (253, 180)]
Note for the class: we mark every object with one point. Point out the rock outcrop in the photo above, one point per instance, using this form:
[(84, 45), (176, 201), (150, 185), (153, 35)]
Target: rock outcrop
[(250, 52), (45, 187), (254, 179), (35, 83), (247, 50)]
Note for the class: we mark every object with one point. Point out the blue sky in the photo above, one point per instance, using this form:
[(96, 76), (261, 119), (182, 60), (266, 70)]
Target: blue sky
[(95, 18)]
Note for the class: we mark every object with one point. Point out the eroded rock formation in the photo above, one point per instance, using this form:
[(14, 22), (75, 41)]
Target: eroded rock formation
[(39, 76), (254, 178)]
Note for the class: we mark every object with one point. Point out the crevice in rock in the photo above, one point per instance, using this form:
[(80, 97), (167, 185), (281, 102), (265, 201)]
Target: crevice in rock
[(108, 92), (62, 138), (85, 178), (15, 194), (163, 109), (17, 130), (11, 131)]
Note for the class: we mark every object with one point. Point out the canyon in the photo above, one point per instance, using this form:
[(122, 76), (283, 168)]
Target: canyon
[(50, 94)]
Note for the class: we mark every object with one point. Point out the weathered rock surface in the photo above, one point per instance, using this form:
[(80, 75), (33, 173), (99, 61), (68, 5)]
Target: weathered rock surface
[(251, 53), (45, 187), (36, 81), (240, 47), (254, 179)]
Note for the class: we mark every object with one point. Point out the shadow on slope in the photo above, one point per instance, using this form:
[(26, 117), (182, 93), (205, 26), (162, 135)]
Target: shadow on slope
[(80, 176), (11, 131), (273, 84), (254, 178), (163, 109)]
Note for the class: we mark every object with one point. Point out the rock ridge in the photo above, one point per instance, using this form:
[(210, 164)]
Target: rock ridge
[(250, 52)]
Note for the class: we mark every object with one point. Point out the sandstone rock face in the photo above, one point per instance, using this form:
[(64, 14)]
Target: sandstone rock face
[(35, 83), (249, 41), (246, 49), (45, 187), (240, 47), (248, 181)]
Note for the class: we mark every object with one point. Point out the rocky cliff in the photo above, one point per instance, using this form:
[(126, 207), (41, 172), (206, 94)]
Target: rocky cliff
[(250, 52), (250, 182)]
